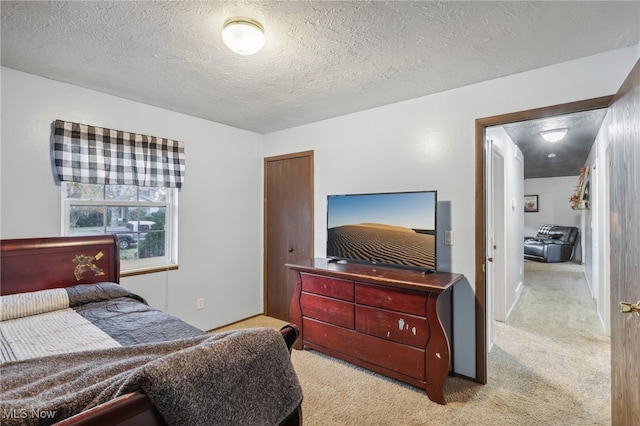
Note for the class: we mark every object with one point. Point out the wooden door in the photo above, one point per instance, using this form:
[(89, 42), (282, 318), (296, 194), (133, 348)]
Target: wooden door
[(624, 136), (288, 226)]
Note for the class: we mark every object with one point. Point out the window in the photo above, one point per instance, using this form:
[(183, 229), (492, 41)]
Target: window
[(121, 183), (142, 219)]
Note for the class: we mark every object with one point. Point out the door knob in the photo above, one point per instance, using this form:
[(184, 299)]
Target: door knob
[(490, 259), (627, 308), (290, 249)]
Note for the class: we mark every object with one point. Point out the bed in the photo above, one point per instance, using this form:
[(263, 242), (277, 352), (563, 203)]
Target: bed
[(79, 349)]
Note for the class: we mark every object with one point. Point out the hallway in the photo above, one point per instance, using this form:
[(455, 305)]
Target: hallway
[(552, 347)]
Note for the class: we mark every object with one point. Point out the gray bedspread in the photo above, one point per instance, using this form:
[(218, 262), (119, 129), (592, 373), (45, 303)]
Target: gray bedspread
[(125, 316), (82, 317), (241, 377)]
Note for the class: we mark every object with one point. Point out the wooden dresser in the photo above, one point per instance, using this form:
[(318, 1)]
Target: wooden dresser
[(392, 321)]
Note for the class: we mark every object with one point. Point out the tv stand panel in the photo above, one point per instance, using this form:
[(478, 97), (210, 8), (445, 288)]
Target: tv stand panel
[(392, 321)]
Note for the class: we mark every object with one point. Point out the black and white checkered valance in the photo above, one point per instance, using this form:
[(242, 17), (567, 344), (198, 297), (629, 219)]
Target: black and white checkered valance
[(89, 154)]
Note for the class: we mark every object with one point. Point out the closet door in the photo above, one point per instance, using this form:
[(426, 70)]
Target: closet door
[(288, 226)]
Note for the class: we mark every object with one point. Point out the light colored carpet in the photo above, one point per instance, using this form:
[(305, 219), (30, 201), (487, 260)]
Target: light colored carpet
[(549, 366)]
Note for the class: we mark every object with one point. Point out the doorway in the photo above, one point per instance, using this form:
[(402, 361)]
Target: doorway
[(482, 342)]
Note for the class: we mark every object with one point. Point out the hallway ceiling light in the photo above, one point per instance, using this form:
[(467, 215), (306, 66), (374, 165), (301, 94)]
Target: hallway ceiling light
[(552, 155), (244, 36), (554, 135)]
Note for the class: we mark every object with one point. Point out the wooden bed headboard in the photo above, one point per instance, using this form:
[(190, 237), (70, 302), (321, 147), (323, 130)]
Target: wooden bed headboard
[(32, 264)]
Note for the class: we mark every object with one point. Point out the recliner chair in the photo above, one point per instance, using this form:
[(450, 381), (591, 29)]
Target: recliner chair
[(552, 243)]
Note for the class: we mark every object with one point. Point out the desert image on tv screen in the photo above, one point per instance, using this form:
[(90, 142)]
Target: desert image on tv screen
[(391, 228)]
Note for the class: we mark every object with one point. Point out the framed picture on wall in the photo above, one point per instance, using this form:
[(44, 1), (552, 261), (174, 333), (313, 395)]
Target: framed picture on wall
[(530, 203)]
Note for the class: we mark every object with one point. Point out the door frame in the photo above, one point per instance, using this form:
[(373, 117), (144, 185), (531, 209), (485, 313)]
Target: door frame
[(480, 200)]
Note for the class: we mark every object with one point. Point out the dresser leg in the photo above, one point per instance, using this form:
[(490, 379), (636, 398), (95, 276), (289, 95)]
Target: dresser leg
[(437, 354), (295, 312)]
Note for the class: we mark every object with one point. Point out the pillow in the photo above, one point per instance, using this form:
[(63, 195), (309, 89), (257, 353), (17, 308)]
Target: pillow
[(544, 230), (81, 294), (35, 302)]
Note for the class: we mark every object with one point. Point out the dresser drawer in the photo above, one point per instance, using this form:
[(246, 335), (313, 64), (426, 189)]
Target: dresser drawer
[(395, 326), (392, 299), (332, 287), (392, 356), (328, 310)]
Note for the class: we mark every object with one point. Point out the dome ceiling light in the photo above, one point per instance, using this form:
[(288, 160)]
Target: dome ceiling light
[(554, 135), (244, 36)]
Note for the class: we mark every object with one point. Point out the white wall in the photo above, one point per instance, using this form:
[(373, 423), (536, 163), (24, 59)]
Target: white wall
[(220, 205), (553, 203), (506, 298), (423, 143), (428, 143)]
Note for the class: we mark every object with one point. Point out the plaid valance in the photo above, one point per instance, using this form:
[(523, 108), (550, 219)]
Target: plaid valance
[(89, 154)]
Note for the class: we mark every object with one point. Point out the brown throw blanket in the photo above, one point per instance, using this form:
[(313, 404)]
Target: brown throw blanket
[(242, 377)]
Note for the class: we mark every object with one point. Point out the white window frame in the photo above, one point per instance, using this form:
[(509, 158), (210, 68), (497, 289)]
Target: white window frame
[(138, 266)]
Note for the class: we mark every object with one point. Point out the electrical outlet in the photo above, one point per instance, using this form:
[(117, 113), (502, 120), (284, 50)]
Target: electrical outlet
[(200, 303)]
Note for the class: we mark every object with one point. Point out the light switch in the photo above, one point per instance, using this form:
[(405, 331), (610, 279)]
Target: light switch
[(448, 238)]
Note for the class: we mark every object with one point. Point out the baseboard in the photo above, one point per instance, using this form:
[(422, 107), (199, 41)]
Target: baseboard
[(602, 325), (519, 290), (234, 322), (462, 376), (518, 293)]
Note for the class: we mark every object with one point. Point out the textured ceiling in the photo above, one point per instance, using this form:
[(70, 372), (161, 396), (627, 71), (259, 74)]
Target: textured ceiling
[(570, 153), (322, 59)]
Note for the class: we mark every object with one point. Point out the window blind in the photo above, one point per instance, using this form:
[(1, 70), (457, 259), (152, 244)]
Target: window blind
[(96, 155)]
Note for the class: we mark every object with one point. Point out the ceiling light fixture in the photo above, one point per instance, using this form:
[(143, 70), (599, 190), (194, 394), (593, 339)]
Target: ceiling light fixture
[(554, 135), (552, 155), (244, 36)]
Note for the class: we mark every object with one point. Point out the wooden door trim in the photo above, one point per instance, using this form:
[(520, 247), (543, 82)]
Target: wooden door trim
[(301, 154), (481, 233)]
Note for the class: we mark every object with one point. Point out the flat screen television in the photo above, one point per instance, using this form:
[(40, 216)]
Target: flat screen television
[(391, 229)]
